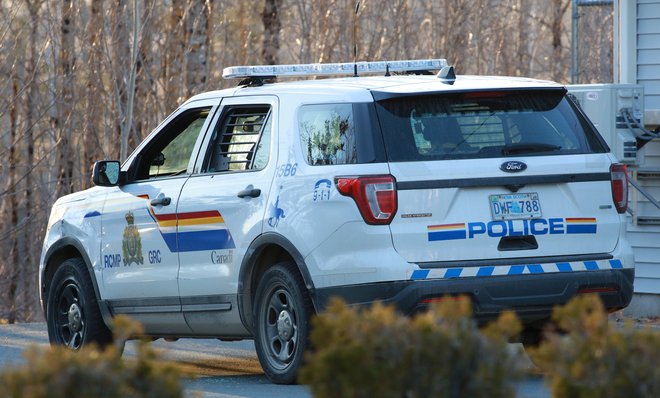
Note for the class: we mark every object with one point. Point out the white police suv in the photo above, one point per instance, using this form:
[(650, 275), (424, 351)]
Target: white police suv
[(247, 209)]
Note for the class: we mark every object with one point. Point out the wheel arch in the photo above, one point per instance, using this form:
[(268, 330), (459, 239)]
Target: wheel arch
[(63, 249), (266, 250)]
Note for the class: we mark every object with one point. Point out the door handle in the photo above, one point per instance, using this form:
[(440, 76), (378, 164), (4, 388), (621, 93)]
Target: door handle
[(251, 192), (161, 201)]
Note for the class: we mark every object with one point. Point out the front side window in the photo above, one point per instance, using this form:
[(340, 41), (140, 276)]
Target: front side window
[(175, 156), (327, 134), (169, 153), (483, 124)]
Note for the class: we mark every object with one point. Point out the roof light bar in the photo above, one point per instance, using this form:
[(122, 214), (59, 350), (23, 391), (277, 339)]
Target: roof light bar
[(345, 68)]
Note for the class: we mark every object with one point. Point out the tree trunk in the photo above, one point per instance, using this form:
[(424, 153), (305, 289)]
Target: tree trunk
[(556, 28), (29, 263), (63, 125), (119, 65), (272, 26), (174, 59), (93, 128), (127, 125), (197, 51), (12, 268)]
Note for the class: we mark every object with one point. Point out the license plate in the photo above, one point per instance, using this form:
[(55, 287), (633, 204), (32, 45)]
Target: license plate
[(515, 206)]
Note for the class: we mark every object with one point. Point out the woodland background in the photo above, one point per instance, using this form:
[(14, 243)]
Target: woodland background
[(83, 80)]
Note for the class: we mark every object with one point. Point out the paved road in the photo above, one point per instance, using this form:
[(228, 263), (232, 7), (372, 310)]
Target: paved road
[(226, 370)]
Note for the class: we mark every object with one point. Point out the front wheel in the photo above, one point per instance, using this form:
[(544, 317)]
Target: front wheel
[(72, 313), (283, 309)]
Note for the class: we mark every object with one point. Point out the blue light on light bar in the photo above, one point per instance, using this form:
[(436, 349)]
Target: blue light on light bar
[(345, 68)]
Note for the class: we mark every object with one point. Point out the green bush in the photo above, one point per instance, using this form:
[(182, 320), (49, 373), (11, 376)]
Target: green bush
[(376, 352), (590, 358), (57, 372)]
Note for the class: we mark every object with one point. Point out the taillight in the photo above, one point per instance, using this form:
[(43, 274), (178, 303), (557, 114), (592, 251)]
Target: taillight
[(375, 196), (619, 177)]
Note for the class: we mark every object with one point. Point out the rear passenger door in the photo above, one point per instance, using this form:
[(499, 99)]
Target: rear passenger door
[(221, 209)]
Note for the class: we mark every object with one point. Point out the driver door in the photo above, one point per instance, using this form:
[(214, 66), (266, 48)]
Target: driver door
[(139, 251)]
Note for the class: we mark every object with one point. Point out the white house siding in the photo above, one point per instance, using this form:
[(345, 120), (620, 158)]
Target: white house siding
[(648, 56), (645, 239)]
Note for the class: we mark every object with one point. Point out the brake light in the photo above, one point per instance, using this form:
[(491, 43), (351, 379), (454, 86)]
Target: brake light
[(375, 196), (485, 94), (619, 177)]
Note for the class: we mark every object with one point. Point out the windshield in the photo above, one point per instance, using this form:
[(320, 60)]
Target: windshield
[(484, 124)]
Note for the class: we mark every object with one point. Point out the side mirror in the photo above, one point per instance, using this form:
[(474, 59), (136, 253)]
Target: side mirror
[(106, 173)]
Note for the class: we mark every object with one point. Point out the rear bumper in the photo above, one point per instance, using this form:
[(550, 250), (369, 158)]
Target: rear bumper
[(531, 296)]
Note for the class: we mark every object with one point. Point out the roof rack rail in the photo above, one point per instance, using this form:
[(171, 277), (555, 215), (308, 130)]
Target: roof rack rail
[(345, 68)]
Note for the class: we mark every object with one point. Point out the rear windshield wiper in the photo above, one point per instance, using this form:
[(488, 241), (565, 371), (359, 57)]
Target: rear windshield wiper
[(528, 147)]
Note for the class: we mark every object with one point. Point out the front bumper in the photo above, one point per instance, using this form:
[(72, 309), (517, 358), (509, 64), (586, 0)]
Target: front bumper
[(531, 296)]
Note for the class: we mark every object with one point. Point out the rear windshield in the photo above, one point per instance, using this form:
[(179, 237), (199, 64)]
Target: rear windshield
[(484, 124)]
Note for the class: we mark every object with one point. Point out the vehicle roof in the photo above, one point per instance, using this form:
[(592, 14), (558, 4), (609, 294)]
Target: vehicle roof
[(360, 87)]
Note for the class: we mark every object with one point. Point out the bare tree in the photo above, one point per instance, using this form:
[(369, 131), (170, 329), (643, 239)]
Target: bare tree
[(62, 122), (93, 123), (272, 26), (15, 246), (198, 44), (559, 8)]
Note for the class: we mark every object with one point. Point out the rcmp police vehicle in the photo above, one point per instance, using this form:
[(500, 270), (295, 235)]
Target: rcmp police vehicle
[(247, 209)]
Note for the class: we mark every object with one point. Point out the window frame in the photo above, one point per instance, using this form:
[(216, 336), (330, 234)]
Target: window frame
[(270, 101), (166, 131), (222, 124)]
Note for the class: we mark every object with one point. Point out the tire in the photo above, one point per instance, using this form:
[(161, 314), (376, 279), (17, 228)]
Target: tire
[(72, 312), (283, 310)]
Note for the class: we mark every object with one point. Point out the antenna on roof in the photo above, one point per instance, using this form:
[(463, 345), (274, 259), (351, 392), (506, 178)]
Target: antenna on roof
[(447, 75), (355, 68)]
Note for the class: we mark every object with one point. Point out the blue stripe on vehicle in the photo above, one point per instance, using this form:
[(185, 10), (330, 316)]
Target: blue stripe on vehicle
[(564, 267), (217, 239), (92, 214), (170, 241), (581, 229), (447, 235), (198, 240), (443, 273), (453, 272), (419, 274), (516, 269), (535, 268)]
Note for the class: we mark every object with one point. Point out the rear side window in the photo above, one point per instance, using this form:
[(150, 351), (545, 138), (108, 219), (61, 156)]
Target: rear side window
[(241, 141), (335, 134), (327, 134), (483, 124)]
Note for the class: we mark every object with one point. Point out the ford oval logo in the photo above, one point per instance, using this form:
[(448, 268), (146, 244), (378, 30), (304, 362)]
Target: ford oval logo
[(513, 166)]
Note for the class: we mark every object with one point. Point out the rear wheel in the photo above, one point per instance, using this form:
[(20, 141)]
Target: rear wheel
[(72, 313), (283, 309)]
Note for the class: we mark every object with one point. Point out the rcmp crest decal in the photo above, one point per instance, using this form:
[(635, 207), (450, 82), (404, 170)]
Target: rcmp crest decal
[(132, 244)]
